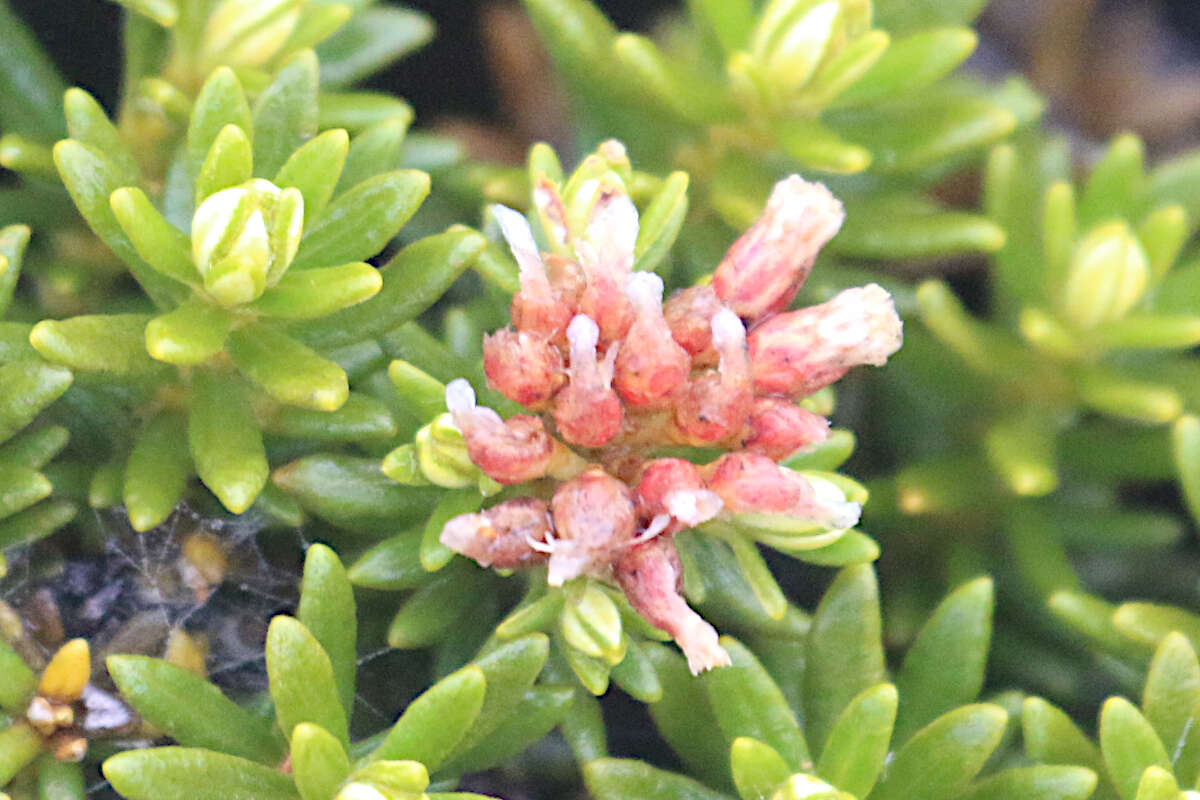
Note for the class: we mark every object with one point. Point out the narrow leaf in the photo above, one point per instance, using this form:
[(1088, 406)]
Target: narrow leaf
[(301, 679), (182, 773)]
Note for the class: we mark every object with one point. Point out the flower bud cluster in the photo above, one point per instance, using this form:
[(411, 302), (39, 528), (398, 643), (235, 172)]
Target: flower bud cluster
[(609, 372)]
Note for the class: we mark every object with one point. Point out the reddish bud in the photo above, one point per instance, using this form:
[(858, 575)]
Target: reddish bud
[(650, 365), (508, 451), (753, 483), (607, 260), (651, 577), (508, 535), (594, 522), (799, 352), (715, 404), (689, 315), (536, 307), (778, 427), (675, 488), (588, 412), (524, 368), (765, 267)]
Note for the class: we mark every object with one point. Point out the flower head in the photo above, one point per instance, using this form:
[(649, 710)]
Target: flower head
[(609, 373)]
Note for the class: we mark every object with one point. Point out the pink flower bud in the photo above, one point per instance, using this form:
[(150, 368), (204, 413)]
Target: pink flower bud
[(753, 483), (778, 427), (511, 534), (607, 259), (594, 522), (549, 205), (766, 266), (715, 404), (689, 314), (588, 412), (508, 451), (524, 368), (651, 577), (536, 308), (675, 488), (799, 352), (651, 365)]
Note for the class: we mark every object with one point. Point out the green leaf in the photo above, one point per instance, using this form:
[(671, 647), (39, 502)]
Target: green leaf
[(184, 773), (191, 710), (315, 169), (1149, 623), (30, 86), (845, 68), (191, 334), (287, 370), (225, 442), (375, 150), (435, 722), (1163, 234), (1129, 745), (361, 418), (88, 123), (913, 15), (355, 111), (221, 102), (98, 342), (1116, 182), (36, 522), (1185, 447), (820, 147), (685, 719), (18, 682), (583, 727), (1171, 703), (13, 240), (910, 64), (362, 220), (945, 666), (230, 162), (578, 36), (285, 114), (301, 679), (747, 702), (370, 41), (327, 610), (729, 21), (858, 744), (940, 760), (635, 673), (1035, 783), (1157, 784), (509, 671), (538, 712), (757, 768), (434, 554), (34, 448), (851, 548), (431, 610), (163, 246), (19, 746), (392, 564), (91, 178), (20, 488), (413, 280), (319, 762), (157, 471), (629, 779), (424, 394), (845, 653), (313, 293), (349, 490), (59, 780), (661, 222), (164, 12)]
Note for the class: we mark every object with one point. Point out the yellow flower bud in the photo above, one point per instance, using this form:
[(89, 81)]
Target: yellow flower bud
[(67, 673), (244, 238), (1107, 277)]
